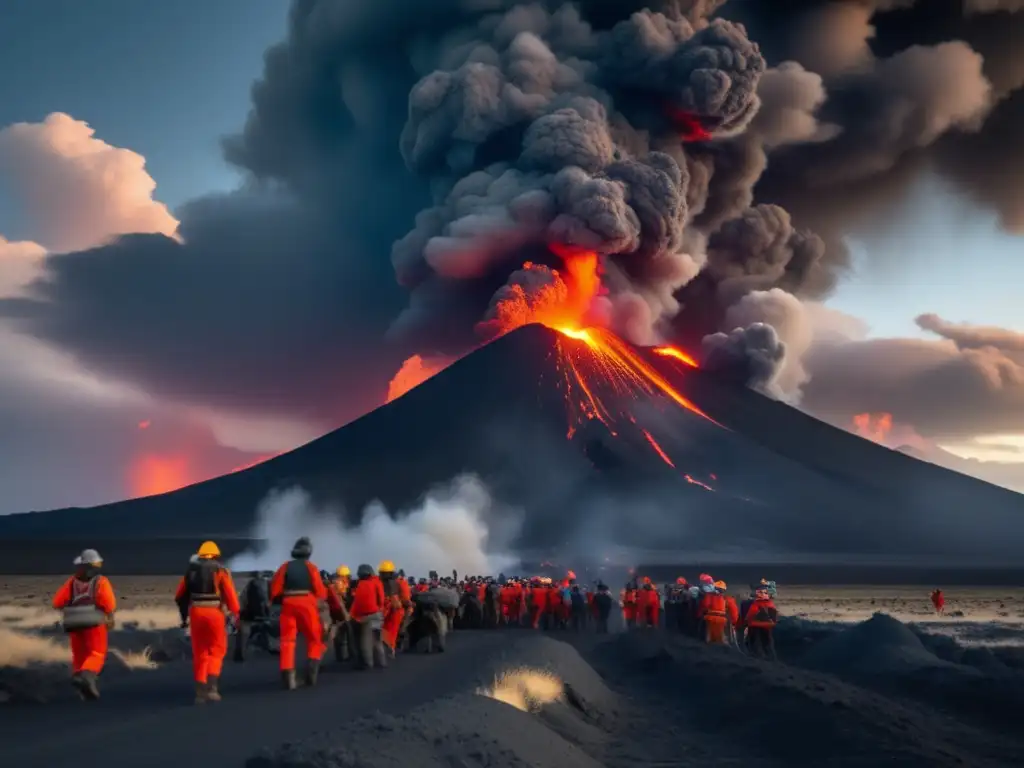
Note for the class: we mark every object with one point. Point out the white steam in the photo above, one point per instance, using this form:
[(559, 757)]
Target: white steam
[(456, 526)]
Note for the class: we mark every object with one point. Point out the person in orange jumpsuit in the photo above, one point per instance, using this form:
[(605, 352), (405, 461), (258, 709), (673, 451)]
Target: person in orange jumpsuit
[(539, 604), (405, 595), (367, 611), (203, 594), (760, 621), (394, 610), (648, 605), (88, 604), (938, 601), (715, 611), (628, 602), (300, 589)]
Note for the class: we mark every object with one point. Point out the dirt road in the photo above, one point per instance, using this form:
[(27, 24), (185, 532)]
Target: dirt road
[(149, 719)]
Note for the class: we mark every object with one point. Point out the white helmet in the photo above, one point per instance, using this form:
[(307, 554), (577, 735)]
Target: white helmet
[(89, 557)]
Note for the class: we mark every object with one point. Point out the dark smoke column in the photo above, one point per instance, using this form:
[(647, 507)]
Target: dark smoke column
[(547, 124)]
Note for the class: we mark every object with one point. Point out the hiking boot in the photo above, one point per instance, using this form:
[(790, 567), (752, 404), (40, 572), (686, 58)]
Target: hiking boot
[(201, 693), (212, 693), (85, 684), (288, 679), (312, 671)]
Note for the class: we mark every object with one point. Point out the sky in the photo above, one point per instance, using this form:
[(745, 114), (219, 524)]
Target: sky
[(118, 394)]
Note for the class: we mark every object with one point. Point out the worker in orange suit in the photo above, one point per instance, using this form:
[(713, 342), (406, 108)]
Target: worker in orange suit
[(394, 610), (405, 595), (538, 603), (88, 604), (760, 621), (367, 611), (715, 613), (298, 586), (627, 598), (204, 593), (648, 605)]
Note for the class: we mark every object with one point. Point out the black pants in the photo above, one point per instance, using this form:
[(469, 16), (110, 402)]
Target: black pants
[(602, 623), (370, 645), (761, 642)]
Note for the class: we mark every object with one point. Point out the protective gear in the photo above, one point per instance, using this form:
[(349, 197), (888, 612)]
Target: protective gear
[(212, 690), (204, 592), (721, 586), (299, 588), (386, 566), (208, 550), (89, 557), (288, 679), (93, 592), (365, 571), (343, 571)]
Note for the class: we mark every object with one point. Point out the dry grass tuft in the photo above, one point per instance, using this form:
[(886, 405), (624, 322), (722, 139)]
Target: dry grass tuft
[(24, 617), (18, 649), (525, 688), (135, 659)]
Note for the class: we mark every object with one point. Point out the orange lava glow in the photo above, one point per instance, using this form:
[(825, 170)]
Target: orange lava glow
[(698, 483), (676, 354), (597, 359), (253, 463), (151, 475), (562, 298), (657, 448), (414, 372), (873, 426)]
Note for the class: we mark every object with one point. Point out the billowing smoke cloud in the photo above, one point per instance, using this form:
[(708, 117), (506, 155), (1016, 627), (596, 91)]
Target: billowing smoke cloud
[(704, 161), (77, 190), (968, 383), (458, 526), (752, 355)]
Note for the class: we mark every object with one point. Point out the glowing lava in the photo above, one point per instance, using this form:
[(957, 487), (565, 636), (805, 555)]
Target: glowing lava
[(414, 372), (676, 354), (873, 426), (601, 360), (689, 126), (151, 475), (657, 449)]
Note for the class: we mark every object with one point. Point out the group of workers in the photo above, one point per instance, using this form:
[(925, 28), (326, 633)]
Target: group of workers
[(370, 617), (705, 611)]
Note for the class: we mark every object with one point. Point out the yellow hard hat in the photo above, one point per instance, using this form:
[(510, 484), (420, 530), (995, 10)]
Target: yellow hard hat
[(386, 566), (720, 585), (208, 550), (343, 570)]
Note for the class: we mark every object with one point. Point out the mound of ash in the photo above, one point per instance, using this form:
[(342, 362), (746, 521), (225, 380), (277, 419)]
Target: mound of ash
[(793, 713), (562, 426), (979, 684), (538, 704)]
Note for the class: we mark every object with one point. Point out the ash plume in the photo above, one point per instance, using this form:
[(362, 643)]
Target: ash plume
[(705, 150)]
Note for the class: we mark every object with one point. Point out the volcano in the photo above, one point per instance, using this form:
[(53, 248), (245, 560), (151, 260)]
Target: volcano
[(606, 447)]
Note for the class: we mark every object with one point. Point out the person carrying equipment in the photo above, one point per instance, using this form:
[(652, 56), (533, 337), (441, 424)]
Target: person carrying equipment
[(627, 599), (203, 593), (87, 603), (367, 611), (760, 620), (254, 616), (300, 589), (341, 632)]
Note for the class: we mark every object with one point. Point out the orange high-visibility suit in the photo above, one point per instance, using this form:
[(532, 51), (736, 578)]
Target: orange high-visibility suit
[(208, 587), (714, 611), (368, 598), (648, 606), (628, 598), (88, 645), (297, 584), (394, 612), (539, 593)]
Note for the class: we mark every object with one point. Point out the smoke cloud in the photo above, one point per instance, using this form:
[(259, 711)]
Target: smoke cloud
[(459, 526), (709, 152), (77, 190)]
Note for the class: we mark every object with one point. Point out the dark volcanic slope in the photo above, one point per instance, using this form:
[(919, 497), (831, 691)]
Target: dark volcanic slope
[(771, 482)]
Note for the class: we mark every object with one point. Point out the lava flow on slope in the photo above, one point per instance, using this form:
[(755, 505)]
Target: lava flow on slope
[(601, 375)]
